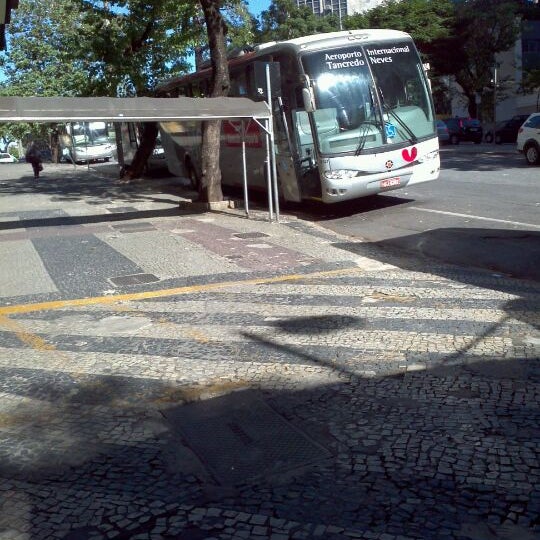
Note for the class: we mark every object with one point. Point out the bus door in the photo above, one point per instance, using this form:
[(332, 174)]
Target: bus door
[(286, 169), (307, 168)]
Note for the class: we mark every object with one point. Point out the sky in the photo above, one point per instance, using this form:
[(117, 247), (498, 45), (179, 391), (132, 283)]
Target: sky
[(256, 6)]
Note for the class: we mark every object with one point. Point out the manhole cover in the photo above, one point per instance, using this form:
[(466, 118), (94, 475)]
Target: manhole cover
[(239, 437), (133, 279), (250, 235)]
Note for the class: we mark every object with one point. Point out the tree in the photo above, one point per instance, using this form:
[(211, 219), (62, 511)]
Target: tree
[(480, 30), (133, 44), (425, 20), (216, 27), (286, 20), (86, 48)]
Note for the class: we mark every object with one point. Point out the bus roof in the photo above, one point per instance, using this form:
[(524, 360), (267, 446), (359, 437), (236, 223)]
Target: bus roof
[(321, 41), (297, 45)]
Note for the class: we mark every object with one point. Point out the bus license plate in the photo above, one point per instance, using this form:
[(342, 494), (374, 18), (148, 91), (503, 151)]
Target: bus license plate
[(391, 182)]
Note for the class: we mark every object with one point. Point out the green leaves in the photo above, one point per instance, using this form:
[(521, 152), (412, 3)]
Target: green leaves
[(285, 20), (83, 47)]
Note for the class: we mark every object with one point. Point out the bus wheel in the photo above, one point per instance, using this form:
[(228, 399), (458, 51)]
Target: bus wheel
[(192, 175)]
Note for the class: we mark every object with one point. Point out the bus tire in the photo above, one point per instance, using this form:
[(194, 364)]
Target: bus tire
[(194, 179)]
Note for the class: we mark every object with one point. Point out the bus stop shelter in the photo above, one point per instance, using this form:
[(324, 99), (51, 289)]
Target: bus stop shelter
[(141, 109)]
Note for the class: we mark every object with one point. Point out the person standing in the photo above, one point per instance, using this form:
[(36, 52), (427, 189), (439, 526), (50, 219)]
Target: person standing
[(33, 156)]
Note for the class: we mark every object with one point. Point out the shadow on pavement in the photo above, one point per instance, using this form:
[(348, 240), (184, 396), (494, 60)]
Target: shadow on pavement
[(515, 253), (85, 220), (97, 185), (448, 452)]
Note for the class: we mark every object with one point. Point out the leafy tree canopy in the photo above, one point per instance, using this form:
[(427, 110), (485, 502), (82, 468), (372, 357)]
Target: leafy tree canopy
[(425, 20), (285, 20), (480, 30)]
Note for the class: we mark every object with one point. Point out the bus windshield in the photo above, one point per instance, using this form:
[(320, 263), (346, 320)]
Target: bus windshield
[(90, 133), (369, 96)]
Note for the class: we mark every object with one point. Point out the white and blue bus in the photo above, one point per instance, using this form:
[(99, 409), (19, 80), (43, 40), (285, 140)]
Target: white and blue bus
[(354, 117)]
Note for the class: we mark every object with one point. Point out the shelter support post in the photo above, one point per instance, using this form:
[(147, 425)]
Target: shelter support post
[(272, 145), (244, 167), (269, 172)]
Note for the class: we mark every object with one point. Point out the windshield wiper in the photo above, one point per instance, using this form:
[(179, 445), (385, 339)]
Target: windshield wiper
[(364, 129), (365, 125)]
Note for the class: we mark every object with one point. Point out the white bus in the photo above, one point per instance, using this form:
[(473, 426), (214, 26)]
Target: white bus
[(83, 142), (353, 117)]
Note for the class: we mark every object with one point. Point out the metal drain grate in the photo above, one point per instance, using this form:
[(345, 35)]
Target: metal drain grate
[(239, 437), (248, 235), (133, 279)]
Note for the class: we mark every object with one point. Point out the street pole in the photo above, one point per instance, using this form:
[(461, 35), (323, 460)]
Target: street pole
[(494, 101)]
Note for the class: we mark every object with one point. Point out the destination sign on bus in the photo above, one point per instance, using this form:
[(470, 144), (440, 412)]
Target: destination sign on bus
[(384, 54), (346, 59)]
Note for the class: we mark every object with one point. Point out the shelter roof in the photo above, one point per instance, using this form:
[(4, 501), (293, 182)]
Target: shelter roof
[(135, 109)]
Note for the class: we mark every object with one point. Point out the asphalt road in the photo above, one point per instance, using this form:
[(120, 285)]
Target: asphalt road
[(484, 211)]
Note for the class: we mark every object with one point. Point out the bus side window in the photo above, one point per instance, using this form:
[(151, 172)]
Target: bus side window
[(238, 84)]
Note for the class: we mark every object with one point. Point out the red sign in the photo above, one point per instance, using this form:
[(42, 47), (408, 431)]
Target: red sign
[(232, 134)]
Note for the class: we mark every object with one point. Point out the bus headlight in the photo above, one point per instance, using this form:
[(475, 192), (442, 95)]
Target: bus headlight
[(340, 174)]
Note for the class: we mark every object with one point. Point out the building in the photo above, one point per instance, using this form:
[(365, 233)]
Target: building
[(511, 68), (339, 7)]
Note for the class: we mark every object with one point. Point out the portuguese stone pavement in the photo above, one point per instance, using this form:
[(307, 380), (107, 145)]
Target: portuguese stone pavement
[(168, 374)]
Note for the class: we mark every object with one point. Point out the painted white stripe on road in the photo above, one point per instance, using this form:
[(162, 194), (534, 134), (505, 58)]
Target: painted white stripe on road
[(518, 223)]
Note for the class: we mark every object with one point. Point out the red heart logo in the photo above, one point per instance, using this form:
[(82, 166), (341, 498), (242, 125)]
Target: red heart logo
[(409, 156)]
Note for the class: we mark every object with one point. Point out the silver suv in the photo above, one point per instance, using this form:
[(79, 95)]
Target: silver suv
[(528, 139)]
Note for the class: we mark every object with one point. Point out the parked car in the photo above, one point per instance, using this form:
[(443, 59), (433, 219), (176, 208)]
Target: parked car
[(507, 130), (442, 132), (464, 129), (528, 139), (7, 158)]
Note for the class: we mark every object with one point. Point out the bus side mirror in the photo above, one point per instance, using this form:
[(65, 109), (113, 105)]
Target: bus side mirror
[(307, 96)]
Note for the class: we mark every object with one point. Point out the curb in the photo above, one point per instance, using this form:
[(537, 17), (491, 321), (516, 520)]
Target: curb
[(226, 204)]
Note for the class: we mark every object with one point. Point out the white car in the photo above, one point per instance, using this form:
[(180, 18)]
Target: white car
[(528, 139), (8, 158)]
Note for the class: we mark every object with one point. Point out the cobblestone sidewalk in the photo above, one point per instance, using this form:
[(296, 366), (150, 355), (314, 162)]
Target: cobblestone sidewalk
[(169, 376)]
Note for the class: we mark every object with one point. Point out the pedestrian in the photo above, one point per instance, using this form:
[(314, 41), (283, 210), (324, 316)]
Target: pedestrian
[(33, 156)]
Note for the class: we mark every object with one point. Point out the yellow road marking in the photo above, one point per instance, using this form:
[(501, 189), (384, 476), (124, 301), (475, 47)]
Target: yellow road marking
[(26, 337), (197, 335), (112, 299)]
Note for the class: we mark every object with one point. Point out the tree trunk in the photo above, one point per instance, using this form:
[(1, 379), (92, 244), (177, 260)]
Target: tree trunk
[(210, 186), (148, 143)]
